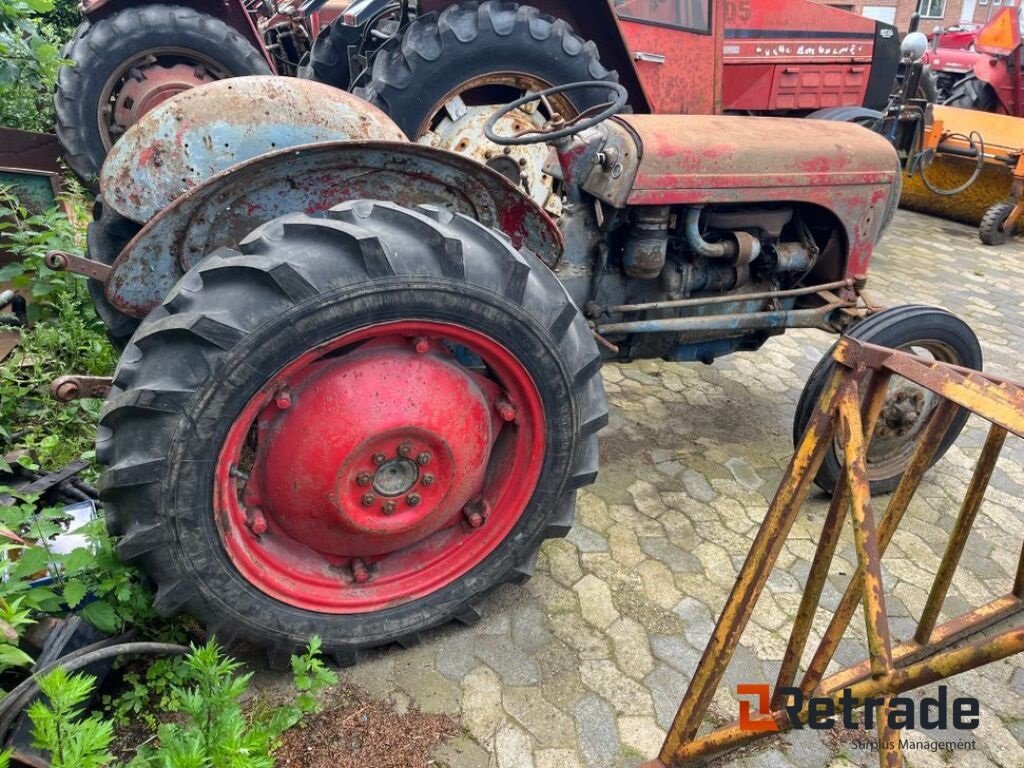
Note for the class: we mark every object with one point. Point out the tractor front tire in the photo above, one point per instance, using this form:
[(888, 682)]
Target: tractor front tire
[(991, 230), (272, 426), (913, 328), (495, 45), (153, 47)]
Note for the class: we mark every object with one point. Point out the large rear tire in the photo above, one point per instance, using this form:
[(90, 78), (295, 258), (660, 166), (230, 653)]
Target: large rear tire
[(447, 74), (929, 331), (127, 63), (221, 434), (972, 93)]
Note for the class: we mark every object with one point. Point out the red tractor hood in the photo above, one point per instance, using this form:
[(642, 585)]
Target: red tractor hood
[(711, 158)]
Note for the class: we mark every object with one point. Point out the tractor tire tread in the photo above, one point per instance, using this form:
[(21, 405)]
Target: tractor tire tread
[(187, 344), (122, 34)]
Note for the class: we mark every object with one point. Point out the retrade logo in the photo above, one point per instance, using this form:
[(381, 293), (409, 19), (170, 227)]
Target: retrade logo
[(822, 712)]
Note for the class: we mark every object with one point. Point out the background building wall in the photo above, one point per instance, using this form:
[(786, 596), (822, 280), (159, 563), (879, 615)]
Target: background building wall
[(900, 11)]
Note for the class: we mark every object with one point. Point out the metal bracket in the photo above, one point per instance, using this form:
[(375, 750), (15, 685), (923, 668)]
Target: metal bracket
[(62, 261)]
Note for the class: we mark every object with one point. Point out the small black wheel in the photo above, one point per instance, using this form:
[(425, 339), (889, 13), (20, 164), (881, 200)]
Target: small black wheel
[(126, 63), (991, 231), (355, 426), (107, 235), (927, 331)]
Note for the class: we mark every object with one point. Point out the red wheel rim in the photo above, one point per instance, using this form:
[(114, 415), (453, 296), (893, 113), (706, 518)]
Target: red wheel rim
[(379, 467)]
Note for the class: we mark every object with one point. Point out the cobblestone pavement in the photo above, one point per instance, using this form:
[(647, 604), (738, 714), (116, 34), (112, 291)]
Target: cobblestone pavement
[(585, 665)]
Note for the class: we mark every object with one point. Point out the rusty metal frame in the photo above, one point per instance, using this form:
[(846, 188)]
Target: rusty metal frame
[(848, 410)]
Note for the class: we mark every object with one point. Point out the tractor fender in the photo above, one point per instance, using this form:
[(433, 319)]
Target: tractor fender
[(203, 131), (848, 114), (231, 12), (225, 208)]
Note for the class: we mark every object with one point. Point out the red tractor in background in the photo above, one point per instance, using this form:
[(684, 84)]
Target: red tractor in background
[(128, 56), (440, 70), (979, 67), (431, 65)]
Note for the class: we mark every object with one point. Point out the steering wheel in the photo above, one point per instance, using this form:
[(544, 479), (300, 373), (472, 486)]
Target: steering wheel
[(558, 127)]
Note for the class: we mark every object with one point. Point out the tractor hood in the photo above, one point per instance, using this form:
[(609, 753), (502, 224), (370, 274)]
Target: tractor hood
[(726, 159), (712, 159)]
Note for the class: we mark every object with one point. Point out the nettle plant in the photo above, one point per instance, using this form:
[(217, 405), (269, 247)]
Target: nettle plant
[(209, 727)]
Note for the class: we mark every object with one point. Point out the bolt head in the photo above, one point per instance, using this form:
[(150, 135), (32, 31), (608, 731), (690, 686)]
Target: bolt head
[(475, 519), (421, 345), (427, 479), (404, 449), (364, 478), (379, 458), (506, 410), (368, 499), (388, 508), (423, 459), (283, 400), (257, 522), (412, 499)]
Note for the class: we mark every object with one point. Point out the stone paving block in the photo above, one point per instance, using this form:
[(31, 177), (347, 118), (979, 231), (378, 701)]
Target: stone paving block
[(626, 696), (597, 732), (481, 704), (596, 604), (513, 748), (548, 725), (631, 648)]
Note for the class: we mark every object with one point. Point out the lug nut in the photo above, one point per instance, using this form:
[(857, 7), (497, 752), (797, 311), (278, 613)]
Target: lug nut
[(379, 458), (283, 400), (522, 161), (476, 513), (506, 410), (364, 478), (412, 499), (427, 479), (368, 499), (388, 507), (420, 344), (404, 449), (423, 459), (360, 573), (474, 518), (257, 522)]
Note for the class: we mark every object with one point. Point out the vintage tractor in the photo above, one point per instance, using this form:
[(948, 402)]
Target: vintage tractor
[(440, 68), (127, 56), (985, 74), (366, 380)]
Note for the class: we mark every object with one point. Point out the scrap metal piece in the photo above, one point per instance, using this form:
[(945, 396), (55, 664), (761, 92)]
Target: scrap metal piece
[(849, 418), (68, 388)]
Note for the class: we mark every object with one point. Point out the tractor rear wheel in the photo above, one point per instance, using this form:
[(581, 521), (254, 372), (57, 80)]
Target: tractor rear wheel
[(127, 63), (447, 74), (354, 426), (927, 331), (972, 93)]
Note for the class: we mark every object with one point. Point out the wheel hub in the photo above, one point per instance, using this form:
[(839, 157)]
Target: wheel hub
[(149, 86), (462, 130), (375, 414), (380, 466), (902, 411)]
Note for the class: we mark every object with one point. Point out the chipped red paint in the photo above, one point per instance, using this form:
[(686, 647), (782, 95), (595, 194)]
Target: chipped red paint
[(338, 436)]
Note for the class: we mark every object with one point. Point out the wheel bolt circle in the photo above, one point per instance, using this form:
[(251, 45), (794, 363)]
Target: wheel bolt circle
[(379, 458), (412, 499), (388, 508), (423, 458), (368, 499), (427, 479), (364, 478)]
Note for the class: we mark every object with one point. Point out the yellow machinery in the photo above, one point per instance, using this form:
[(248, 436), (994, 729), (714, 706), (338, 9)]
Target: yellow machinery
[(970, 168)]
